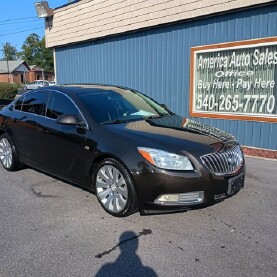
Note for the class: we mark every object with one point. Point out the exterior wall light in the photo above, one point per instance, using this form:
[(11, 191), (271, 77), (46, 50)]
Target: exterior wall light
[(43, 10)]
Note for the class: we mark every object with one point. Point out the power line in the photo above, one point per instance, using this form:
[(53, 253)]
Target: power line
[(20, 18), (23, 27), (20, 22), (1, 35)]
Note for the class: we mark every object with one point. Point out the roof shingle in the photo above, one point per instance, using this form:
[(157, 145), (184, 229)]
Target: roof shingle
[(13, 65)]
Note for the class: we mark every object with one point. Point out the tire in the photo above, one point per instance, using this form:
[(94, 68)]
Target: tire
[(114, 188), (8, 154)]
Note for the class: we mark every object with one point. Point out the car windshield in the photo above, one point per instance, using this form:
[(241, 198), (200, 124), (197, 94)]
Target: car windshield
[(112, 107)]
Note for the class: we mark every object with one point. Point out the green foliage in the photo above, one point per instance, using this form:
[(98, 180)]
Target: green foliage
[(47, 60), (8, 91), (30, 49), (9, 52), (34, 52)]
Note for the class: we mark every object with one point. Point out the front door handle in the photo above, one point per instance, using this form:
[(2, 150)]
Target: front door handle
[(43, 130)]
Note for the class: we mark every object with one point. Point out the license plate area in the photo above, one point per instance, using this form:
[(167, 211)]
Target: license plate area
[(235, 184)]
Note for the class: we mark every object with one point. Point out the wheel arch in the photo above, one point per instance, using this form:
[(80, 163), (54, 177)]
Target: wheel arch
[(132, 204), (101, 158)]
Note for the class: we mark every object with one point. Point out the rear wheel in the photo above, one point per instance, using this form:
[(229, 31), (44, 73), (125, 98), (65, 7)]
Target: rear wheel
[(114, 188), (8, 154)]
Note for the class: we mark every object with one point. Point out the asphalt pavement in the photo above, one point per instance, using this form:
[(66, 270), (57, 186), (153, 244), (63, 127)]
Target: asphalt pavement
[(51, 228)]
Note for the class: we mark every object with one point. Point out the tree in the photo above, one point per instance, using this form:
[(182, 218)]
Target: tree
[(34, 52), (31, 49), (46, 59), (9, 52)]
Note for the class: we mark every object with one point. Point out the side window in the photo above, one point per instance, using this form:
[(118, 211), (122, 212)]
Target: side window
[(18, 104), (34, 102), (59, 104)]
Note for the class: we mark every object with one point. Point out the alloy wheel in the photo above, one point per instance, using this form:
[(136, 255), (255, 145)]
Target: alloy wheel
[(6, 155), (111, 188)]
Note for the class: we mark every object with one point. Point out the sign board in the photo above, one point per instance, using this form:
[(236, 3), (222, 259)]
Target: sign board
[(235, 80)]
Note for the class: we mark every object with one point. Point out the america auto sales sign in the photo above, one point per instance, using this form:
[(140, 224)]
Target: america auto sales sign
[(235, 80)]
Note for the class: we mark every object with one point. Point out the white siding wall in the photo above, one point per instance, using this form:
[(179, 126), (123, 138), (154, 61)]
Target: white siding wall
[(90, 19)]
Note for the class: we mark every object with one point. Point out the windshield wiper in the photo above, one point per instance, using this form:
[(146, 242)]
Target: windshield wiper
[(116, 121), (154, 116)]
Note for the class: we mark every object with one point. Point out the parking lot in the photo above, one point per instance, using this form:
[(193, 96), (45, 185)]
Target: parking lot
[(51, 228)]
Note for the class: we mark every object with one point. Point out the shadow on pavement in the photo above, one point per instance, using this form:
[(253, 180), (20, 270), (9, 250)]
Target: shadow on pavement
[(128, 262)]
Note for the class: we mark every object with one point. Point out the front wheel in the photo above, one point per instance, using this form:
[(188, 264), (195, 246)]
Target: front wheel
[(8, 154), (114, 187)]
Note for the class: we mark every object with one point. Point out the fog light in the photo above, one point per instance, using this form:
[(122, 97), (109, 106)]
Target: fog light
[(189, 198), (168, 198)]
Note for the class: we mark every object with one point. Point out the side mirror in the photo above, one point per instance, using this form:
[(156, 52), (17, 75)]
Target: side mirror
[(70, 119), (164, 106)]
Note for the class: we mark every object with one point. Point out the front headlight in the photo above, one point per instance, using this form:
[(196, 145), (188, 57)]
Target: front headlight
[(165, 160)]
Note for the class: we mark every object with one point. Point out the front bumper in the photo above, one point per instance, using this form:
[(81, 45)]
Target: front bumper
[(152, 183)]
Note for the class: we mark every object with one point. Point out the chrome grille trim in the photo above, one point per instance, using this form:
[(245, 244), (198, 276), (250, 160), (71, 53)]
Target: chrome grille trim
[(227, 161), (190, 198)]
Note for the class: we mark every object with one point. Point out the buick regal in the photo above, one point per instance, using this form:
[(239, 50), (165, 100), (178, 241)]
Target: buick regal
[(132, 152)]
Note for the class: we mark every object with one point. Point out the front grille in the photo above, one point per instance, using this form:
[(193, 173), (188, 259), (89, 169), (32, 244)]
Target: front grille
[(227, 161)]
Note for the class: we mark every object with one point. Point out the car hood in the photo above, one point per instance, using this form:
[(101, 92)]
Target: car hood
[(172, 132)]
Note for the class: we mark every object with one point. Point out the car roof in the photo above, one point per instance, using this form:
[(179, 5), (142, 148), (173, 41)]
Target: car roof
[(91, 88)]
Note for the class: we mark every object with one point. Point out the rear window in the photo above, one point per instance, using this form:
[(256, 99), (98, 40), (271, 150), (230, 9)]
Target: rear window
[(18, 104), (34, 102)]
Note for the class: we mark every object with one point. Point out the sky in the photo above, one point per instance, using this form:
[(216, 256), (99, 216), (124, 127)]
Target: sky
[(18, 19)]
